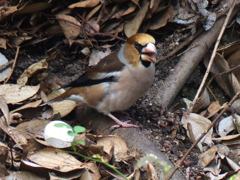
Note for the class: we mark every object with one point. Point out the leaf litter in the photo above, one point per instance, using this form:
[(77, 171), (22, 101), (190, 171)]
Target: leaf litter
[(87, 24)]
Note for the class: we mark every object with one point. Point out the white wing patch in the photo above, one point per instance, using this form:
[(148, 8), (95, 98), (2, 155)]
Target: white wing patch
[(108, 74)]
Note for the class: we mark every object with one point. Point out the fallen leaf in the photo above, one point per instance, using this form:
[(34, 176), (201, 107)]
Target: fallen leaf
[(85, 4), (97, 55), (206, 157), (23, 175), (132, 26), (6, 72), (51, 158), (117, 144), (34, 68), (161, 18), (199, 125), (14, 93), (71, 26)]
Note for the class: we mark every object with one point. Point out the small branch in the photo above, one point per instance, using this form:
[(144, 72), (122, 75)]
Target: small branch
[(14, 63), (213, 56), (6, 65), (204, 133)]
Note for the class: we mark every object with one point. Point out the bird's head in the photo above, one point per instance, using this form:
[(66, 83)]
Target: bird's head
[(140, 48)]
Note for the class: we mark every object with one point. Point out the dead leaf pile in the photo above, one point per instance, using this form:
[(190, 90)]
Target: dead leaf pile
[(30, 153), (88, 22), (224, 151)]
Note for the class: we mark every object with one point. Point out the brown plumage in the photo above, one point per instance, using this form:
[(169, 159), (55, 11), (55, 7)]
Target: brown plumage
[(119, 79)]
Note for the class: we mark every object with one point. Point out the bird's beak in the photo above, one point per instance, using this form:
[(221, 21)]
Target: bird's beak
[(149, 53)]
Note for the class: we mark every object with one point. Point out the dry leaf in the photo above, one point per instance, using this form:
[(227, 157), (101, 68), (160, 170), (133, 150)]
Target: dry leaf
[(85, 4), (33, 8), (26, 106), (199, 125), (132, 26), (116, 143), (23, 175), (3, 43), (63, 107), (71, 26), (225, 138), (214, 108), (228, 82), (51, 158), (33, 128), (94, 11), (228, 49), (14, 93), (23, 79), (227, 125), (234, 61), (206, 157), (6, 72), (161, 18), (7, 11), (97, 55), (5, 110), (202, 102)]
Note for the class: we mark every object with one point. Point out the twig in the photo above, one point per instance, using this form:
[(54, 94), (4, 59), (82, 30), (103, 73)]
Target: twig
[(222, 73), (213, 56), (14, 63), (226, 106), (6, 65)]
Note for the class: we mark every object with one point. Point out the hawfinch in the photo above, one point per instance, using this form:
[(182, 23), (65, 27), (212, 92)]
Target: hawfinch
[(119, 79)]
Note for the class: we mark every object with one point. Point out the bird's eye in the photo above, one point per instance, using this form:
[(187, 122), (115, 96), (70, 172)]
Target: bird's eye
[(138, 46)]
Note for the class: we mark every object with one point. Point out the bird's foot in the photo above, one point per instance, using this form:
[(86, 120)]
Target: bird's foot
[(124, 124)]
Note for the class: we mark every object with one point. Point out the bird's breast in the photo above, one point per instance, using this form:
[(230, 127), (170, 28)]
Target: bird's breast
[(131, 84)]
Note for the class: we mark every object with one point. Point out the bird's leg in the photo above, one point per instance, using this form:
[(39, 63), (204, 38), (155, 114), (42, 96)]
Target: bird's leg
[(120, 123)]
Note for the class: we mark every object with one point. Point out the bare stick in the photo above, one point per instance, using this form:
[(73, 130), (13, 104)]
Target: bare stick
[(226, 106), (213, 56), (14, 63)]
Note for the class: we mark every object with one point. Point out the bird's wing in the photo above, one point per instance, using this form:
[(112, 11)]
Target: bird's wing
[(107, 70)]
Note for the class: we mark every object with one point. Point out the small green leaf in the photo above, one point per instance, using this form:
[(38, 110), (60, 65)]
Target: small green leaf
[(63, 125), (80, 142), (71, 133), (97, 156), (79, 129)]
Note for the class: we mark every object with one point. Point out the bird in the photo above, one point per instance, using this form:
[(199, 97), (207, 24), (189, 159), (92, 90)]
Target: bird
[(118, 80)]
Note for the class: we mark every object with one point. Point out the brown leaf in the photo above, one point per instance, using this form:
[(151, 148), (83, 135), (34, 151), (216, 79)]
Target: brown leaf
[(227, 81), (160, 19), (93, 12), (23, 175), (206, 157), (6, 72), (199, 125), (3, 43), (71, 26), (33, 8), (51, 158), (234, 61), (7, 11), (85, 4), (132, 26), (34, 68), (33, 128), (116, 143), (63, 107), (14, 93), (228, 49)]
